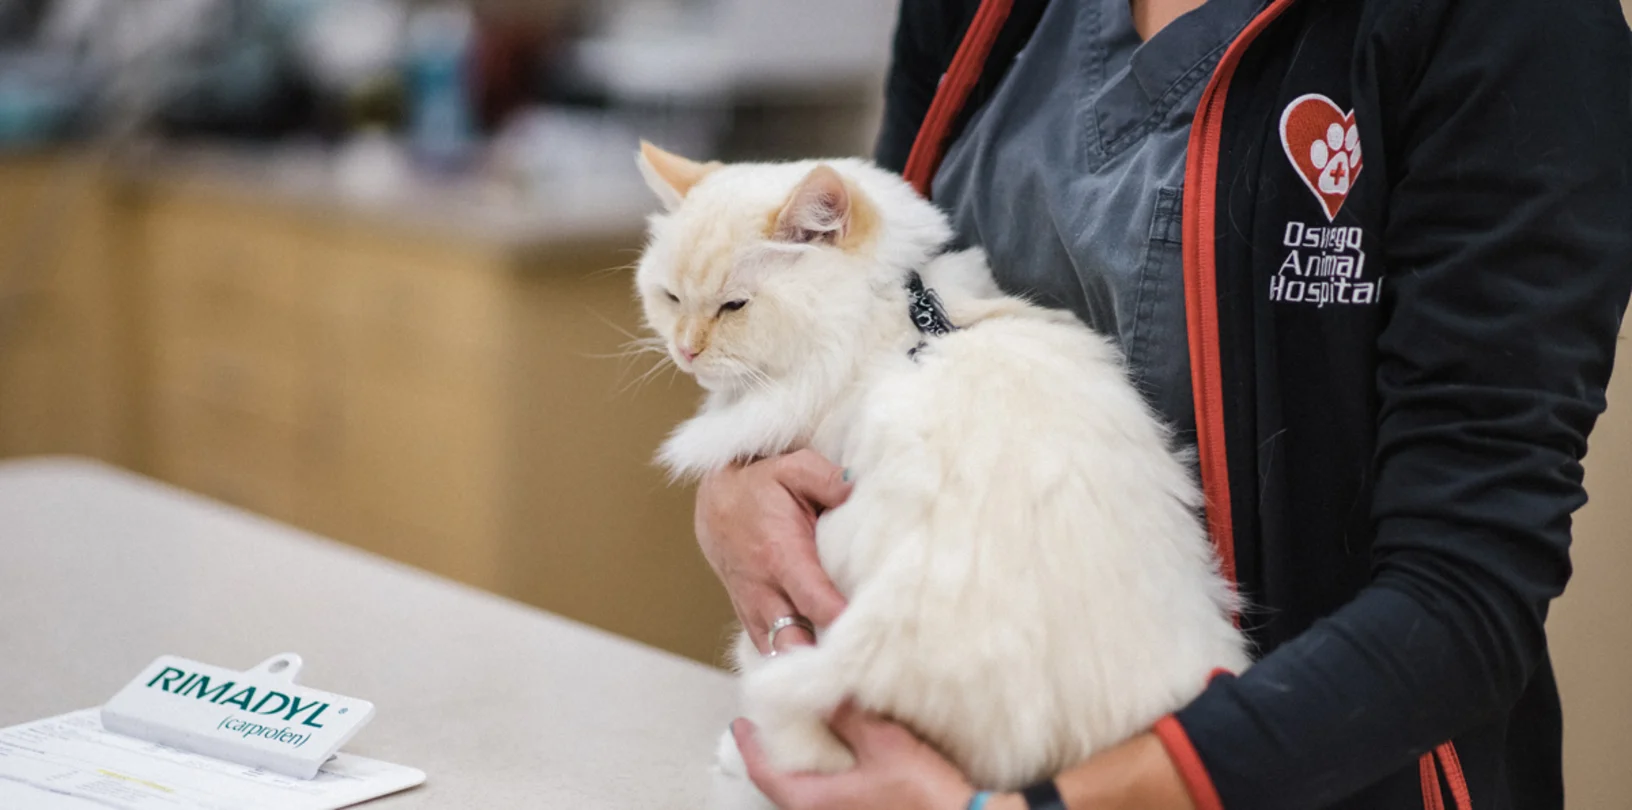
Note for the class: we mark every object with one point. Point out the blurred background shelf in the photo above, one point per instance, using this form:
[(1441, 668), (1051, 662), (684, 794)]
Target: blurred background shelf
[(447, 397)]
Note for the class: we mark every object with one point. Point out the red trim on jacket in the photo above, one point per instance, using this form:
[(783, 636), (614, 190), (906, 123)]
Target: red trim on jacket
[(1201, 290), (961, 77), (1432, 798), (1191, 769)]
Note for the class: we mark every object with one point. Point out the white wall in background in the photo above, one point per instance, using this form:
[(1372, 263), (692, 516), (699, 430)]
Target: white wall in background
[(738, 48)]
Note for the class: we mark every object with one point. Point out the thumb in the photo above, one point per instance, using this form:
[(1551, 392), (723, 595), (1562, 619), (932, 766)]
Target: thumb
[(858, 729), (808, 475)]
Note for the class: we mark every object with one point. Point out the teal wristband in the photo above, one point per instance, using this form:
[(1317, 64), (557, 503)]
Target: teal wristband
[(978, 801)]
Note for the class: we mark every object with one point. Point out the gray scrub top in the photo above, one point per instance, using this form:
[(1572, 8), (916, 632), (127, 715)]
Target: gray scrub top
[(1071, 177)]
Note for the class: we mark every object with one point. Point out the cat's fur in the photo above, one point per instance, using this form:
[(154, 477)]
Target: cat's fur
[(1027, 575)]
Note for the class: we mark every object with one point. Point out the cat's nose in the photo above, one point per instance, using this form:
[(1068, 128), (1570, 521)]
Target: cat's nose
[(687, 353)]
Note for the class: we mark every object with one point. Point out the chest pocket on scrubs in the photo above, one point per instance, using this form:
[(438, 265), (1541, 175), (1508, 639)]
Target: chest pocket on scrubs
[(1156, 345)]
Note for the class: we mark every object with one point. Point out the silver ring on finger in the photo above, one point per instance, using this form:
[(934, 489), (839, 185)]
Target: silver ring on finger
[(784, 623)]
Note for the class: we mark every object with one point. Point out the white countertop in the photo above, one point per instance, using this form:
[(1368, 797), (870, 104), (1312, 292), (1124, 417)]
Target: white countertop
[(501, 705)]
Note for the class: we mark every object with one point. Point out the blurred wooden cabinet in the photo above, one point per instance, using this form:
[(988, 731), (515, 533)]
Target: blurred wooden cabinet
[(231, 349), (329, 374), (62, 386), (448, 402)]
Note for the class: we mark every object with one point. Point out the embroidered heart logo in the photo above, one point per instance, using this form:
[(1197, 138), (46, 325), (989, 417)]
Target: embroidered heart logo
[(1323, 144)]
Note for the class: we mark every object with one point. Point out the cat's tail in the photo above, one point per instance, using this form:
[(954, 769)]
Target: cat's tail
[(789, 699)]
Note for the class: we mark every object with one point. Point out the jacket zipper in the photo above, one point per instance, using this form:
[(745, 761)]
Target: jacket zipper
[(1201, 287)]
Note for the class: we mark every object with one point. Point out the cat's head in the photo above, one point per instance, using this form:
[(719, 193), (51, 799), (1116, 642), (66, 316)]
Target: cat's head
[(755, 270)]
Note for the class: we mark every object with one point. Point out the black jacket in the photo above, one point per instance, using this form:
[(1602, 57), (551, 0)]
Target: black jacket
[(1396, 363)]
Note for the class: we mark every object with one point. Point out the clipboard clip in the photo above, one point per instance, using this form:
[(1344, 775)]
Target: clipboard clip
[(258, 717)]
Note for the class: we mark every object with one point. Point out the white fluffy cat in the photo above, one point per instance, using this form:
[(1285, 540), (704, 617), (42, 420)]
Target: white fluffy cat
[(1027, 574)]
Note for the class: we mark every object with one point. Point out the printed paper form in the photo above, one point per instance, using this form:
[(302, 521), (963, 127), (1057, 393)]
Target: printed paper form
[(69, 762)]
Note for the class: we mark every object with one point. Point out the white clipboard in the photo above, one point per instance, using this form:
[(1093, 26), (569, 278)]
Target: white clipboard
[(75, 762)]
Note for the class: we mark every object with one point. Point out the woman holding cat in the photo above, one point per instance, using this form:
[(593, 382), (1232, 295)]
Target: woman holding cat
[(1371, 258)]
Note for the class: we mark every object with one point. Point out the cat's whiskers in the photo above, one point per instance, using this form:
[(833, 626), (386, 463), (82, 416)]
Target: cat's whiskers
[(761, 378), (635, 348), (628, 267), (615, 327), (663, 361), (756, 380)]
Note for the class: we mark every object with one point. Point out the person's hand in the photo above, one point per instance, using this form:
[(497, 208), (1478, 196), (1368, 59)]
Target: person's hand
[(897, 771), (756, 524), (894, 770)]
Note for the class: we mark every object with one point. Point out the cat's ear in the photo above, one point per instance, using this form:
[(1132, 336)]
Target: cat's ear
[(820, 210), (670, 175)]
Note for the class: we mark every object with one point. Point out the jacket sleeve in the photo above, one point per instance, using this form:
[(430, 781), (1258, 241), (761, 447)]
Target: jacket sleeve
[(925, 31), (1509, 256)]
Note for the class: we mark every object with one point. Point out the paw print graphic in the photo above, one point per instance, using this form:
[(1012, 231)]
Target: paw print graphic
[(1336, 156), (1323, 144)]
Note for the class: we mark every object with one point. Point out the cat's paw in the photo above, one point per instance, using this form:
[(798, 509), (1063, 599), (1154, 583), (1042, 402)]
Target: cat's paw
[(788, 698), (798, 681), (827, 751), (804, 744), (730, 787), (728, 757)]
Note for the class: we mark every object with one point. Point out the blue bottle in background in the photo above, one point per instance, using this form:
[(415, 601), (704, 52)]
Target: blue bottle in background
[(441, 130)]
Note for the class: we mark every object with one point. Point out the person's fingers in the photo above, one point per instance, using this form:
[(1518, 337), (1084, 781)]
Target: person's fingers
[(808, 475), (793, 636), (799, 569), (862, 731), (760, 607), (773, 784), (780, 574), (811, 590)]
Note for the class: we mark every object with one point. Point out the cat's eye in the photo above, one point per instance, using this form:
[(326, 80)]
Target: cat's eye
[(672, 297), (733, 306)]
